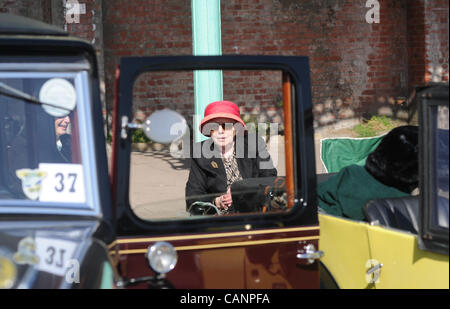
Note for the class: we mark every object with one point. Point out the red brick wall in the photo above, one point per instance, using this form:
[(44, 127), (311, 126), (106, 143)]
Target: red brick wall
[(437, 16), (158, 90), (149, 28), (30, 8), (432, 25), (356, 67), (89, 27), (427, 41), (387, 61), (257, 93), (416, 43)]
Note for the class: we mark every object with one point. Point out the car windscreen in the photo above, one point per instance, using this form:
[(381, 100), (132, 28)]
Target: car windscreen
[(224, 164), (40, 152)]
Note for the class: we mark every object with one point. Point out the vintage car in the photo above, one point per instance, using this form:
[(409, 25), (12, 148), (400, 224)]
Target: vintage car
[(65, 222), (403, 242), (55, 240)]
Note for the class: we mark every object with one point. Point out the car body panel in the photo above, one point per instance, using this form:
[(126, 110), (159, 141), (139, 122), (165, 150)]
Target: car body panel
[(252, 259), (404, 264), (346, 248), (352, 247)]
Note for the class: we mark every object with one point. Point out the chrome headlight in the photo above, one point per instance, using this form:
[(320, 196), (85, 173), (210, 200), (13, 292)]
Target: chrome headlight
[(162, 257)]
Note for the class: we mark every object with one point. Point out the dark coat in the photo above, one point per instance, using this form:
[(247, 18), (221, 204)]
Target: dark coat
[(207, 178), (395, 162)]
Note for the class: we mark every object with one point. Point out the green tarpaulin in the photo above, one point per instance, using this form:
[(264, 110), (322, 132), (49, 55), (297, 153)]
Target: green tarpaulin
[(337, 153)]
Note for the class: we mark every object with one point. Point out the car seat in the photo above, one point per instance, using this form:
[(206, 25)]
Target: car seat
[(400, 213)]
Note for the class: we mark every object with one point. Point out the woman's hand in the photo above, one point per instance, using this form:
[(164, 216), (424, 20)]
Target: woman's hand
[(224, 201)]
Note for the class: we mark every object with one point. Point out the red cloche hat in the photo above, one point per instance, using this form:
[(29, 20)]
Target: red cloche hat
[(221, 109)]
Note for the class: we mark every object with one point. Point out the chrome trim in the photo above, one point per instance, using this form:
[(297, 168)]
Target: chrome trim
[(311, 254), (247, 233), (374, 268), (87, 142), (224, 245), (71, 63)]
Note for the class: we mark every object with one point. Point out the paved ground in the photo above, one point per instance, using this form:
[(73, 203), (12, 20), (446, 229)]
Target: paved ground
[(157, 184)]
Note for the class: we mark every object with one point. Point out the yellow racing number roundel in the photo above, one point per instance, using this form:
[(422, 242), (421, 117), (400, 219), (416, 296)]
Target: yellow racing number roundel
[(8, 273)]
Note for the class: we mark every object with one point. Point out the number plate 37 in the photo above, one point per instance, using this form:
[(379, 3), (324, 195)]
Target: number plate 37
[(63, 183)]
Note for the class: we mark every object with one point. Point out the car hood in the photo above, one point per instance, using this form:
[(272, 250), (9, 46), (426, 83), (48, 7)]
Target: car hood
[(40, 254)]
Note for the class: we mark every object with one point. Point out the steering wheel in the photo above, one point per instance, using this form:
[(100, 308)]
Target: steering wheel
[(203, 208)]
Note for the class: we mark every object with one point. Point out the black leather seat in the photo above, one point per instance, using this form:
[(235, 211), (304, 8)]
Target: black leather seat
[(400, 213)]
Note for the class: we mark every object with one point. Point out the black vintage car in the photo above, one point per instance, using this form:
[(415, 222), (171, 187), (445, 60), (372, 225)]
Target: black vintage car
[(55, 239)]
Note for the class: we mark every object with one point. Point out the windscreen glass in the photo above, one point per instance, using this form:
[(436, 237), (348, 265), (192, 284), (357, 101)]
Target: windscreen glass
[(40, 157), (230, 160)]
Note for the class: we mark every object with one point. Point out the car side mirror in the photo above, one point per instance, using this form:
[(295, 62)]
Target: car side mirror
[(163, 126)]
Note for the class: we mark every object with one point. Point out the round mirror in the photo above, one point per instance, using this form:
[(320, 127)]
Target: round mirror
[(58, 92), (165, 126)]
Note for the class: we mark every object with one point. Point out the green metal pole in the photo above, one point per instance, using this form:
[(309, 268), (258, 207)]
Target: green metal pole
[(206, 41)]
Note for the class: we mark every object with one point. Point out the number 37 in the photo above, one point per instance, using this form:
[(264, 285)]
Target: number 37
[(63, 182)]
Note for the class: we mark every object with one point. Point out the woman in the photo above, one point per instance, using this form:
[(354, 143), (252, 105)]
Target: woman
[(225, 158), (63, 139)]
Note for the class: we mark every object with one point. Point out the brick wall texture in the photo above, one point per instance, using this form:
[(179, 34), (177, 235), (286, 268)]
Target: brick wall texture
[(356, 67)]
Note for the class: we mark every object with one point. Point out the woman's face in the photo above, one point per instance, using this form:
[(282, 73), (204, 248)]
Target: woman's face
[(61, 125), (224, 131)]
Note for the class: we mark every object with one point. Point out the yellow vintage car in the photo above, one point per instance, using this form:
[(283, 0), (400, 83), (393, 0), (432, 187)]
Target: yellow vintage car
[(403, 243)]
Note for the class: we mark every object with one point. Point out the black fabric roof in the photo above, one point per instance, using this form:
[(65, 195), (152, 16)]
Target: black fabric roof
[(14, 24)]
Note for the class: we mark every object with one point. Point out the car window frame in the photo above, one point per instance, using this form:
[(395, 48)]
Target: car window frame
[(431, 237), (305, 179)]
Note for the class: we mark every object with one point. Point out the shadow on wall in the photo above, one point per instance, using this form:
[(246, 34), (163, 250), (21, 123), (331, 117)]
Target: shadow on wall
[(402, 108), (270, 106)]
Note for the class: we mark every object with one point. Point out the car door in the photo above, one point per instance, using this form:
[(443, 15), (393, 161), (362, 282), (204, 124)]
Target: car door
[(273, 249), (420, 259)]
